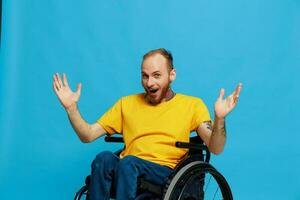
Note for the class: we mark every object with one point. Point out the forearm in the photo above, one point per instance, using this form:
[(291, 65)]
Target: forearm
[(218, 136), (80, 126)]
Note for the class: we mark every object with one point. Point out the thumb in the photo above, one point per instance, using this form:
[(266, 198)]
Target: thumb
[(222, 93), (78, 91)]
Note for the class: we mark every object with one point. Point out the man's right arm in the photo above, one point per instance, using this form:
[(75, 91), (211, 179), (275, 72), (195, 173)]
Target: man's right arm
[(85, 131)]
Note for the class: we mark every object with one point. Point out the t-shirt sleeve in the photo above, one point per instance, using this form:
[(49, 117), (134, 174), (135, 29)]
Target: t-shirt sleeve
[(201, 114), (112, 120)]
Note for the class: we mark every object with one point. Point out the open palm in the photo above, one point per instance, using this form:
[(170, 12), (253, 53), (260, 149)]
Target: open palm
[(64, 93), (224, 106)]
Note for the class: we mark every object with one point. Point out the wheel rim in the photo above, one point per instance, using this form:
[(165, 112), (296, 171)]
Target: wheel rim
[(198, 180)]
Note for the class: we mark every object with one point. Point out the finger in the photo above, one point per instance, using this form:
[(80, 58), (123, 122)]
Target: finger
[(237, 93), (238, 90), (78, 91), (55, 88), (55, 81), (65, 80), (235, 100), (222, 93), (59, 79)]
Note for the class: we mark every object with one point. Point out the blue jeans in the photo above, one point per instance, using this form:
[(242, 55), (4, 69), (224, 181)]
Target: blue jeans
[(110, 171)]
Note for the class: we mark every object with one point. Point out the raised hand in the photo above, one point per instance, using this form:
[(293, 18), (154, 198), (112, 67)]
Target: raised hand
[(64, 93), (224, 106)]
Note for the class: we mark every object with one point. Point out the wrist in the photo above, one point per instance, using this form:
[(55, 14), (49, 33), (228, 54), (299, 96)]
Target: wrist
[(219, 119), (72, 108)]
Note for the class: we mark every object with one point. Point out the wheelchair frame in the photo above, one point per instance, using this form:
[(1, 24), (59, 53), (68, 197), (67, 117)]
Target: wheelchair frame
[(194, 166)]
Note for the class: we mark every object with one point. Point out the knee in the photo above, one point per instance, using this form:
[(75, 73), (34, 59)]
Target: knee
[(103, 158), (128, 163)]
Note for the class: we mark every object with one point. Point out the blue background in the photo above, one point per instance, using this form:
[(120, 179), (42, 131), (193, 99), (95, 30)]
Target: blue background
[(100, 43)]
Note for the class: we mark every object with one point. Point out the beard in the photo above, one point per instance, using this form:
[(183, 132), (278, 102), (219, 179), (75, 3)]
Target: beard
[(156, 96)]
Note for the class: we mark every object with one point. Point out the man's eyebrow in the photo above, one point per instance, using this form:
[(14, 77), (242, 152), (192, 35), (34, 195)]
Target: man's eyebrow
[(156, 72), (152, 72)]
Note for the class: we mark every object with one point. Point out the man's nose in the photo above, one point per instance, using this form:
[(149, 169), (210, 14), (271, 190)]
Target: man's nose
[(150, 82)]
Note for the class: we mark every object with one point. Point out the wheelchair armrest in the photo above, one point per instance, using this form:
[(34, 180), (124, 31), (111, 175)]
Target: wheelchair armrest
[(194, 146), (113, 139)]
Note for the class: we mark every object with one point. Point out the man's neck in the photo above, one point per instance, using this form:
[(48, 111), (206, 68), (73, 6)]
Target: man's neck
[(170, 94)]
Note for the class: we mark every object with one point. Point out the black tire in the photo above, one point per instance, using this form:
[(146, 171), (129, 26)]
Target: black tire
[(191, 182)]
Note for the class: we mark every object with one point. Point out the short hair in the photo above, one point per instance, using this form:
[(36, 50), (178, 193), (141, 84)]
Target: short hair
[(165, 53)]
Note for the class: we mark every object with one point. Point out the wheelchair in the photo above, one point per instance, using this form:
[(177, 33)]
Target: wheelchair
[(192, 179)]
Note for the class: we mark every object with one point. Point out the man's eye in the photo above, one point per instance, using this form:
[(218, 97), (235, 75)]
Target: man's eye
[(156, 75), (144, 76)]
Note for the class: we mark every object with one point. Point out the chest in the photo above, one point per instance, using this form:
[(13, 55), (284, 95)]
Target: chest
[(173, 122)]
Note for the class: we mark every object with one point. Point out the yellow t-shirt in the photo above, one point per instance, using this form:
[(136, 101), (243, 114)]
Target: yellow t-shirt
[(150, 131)]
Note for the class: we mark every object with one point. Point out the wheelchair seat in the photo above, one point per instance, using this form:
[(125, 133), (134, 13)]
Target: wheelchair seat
[(192, 179)]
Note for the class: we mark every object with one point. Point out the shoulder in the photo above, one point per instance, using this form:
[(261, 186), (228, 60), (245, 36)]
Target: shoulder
[(189, 98), (191, 102), (133, 98)]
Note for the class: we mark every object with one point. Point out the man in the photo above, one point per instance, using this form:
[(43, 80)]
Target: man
[(151, 123)]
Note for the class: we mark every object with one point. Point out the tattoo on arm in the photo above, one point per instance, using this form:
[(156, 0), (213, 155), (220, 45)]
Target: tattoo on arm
[(223, 128), (218, 128), (208, 125)]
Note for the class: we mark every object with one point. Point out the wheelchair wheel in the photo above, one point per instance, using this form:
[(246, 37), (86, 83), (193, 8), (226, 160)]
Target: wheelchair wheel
[(82, 193), (197, 181)]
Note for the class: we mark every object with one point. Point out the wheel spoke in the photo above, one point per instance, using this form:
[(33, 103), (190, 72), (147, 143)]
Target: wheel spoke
[(216, 192), (198, 180), (207, 183)]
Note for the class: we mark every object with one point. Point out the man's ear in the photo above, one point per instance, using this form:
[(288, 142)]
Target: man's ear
[(172, 75)]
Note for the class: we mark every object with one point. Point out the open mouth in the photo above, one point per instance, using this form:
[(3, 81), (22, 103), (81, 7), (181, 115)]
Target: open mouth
[(152, 91)]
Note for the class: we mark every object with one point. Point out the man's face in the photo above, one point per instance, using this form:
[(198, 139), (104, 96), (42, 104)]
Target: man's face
[(156, 78)]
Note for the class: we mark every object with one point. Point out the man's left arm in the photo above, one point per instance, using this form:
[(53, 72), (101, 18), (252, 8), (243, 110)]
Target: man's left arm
[(214, 135)]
